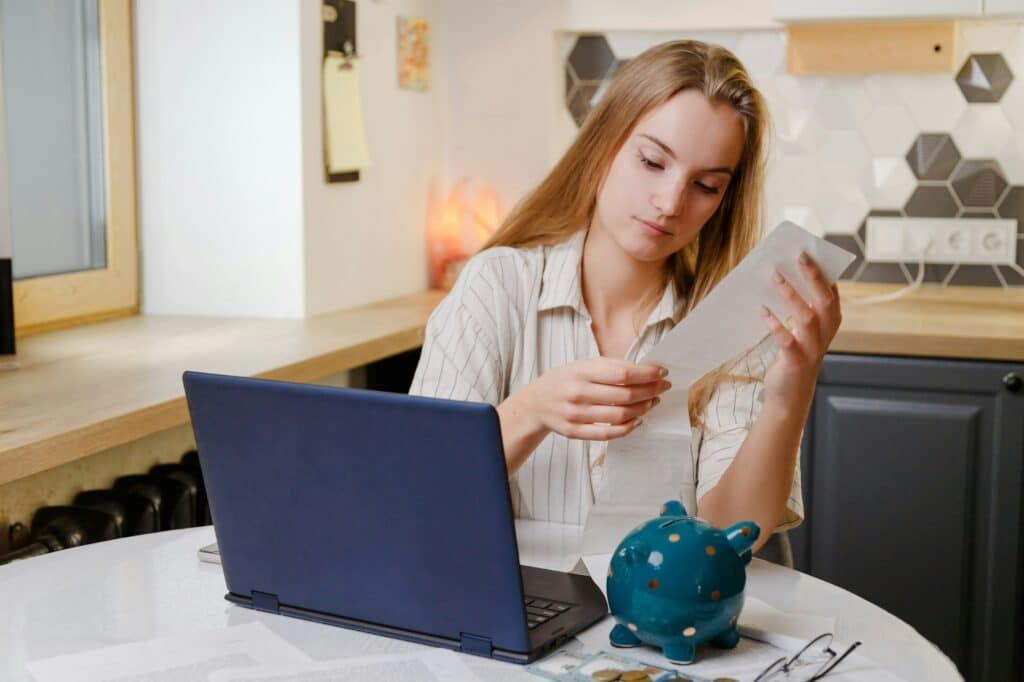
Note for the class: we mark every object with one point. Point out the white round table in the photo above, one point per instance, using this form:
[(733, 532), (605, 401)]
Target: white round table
[(152, 586)]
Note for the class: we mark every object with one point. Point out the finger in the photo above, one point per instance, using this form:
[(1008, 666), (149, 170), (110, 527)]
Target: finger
[(822, 295), (783, 337), (603, 394), (610, 414), (805, 317), (621, 372), (601, 432)]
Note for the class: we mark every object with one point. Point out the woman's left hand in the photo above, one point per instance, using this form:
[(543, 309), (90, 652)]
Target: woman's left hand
[(789, 382)]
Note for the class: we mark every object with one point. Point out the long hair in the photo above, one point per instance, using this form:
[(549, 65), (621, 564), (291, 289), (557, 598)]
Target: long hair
[(564, 202)]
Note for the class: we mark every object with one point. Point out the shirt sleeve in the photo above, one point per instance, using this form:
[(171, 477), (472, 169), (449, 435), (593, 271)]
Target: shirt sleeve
[(462, 358), (728, 416)]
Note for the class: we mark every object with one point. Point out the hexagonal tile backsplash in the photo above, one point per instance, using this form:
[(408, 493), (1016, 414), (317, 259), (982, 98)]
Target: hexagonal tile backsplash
[(849, 147)]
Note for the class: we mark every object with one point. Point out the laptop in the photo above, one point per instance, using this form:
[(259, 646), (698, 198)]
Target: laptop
[(380, 512)]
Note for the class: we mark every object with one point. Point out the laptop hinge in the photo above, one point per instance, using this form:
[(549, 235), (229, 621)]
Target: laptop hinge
[(264, 601), (473, 644)]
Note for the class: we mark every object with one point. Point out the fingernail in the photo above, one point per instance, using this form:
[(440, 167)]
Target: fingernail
[(804, 258), (656, 401), (764, 311), (777, 276), (639, 421), (663, 372), (668, 385)]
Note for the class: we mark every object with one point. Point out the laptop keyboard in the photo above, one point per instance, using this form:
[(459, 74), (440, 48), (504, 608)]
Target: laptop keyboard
[(540, 610)]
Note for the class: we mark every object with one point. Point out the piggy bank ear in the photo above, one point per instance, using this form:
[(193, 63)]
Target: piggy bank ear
[(673, 508), (742, 537)]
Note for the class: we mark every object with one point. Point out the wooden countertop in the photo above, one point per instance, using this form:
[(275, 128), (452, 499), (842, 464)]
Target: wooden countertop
[(951, 322), (84, 390)]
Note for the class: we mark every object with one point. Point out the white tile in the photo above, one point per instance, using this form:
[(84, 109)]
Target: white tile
[(1013, 165), (843, 156), (841, 208), (844, 103), (798, 130), (794, 179), (628, 44), (983, 132), (800, 91), (887, 88), (762, 52), (935, 102), (1012, 103), (888, 182), (1014, 52), (805, 217), (889, 130)]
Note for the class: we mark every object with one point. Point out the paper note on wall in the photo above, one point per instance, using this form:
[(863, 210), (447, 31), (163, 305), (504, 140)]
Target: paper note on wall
[(344, 137)]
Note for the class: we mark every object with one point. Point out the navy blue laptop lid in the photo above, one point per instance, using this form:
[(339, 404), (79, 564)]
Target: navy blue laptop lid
[(383, 508)]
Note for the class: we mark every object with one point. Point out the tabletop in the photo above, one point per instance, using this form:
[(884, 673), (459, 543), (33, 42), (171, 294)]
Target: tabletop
[(151, 586)]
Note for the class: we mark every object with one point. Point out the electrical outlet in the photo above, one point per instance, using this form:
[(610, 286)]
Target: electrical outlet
[(941, 240)]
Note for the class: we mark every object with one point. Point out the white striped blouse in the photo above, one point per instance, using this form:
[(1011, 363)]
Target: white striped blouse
[(515, 313)]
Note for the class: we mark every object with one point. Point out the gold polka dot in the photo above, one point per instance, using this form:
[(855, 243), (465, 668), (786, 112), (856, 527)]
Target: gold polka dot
[(632, 627), (746, 531), (611, 571), (716, 595), (674, 537), (690, 631), (710, 550), (664, 508), (653, 584)]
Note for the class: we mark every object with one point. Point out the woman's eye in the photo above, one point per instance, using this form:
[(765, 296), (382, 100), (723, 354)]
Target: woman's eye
[(650, 164), (707, 189)]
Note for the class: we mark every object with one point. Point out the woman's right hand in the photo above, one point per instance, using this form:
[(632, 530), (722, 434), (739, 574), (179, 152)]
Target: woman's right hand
[(594, 399)]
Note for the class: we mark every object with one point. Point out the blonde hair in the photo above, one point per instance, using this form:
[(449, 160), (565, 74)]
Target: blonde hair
[(564, 201)]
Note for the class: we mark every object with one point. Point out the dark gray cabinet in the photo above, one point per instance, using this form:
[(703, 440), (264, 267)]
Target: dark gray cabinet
[(912, 473)]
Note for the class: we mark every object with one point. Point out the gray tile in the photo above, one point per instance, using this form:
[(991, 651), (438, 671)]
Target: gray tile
[(851, 244), (931, 201), (591, 57), (934, 273), (976, 213), (884, 273), (1012, 277), (975, 276), (616, 67), (984, 77), (979, 183), (580, 102), (933, 156), (1012, 206)]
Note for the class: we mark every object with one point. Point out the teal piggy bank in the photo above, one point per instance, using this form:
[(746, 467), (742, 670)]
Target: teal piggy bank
[(675, 583)]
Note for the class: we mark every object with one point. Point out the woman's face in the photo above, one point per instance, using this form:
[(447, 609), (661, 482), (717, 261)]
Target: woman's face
[(669, 176)]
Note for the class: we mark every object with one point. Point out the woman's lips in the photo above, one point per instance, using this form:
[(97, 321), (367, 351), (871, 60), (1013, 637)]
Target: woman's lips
[(653, 229)]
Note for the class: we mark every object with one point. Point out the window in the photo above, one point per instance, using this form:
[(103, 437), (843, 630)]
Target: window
[(67, 160)]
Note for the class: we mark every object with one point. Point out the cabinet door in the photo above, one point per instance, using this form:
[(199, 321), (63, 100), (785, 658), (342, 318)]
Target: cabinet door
[(811, 10), (913, 476)]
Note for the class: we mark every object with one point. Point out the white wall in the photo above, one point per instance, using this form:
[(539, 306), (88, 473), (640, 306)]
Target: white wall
[(219, 157), (364, 241)]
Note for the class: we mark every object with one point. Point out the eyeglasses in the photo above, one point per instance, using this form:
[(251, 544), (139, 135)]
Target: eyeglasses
[(813, 662)]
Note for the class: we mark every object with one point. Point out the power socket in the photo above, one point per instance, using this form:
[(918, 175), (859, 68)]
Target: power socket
[(941, 240)]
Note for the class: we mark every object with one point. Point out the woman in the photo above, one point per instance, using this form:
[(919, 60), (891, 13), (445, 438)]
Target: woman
[(652, 205)]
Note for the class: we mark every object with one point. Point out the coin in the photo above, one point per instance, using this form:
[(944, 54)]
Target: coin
[(606, 675), (634, 676)]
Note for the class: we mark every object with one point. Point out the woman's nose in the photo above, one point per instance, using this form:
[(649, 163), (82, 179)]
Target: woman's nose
[(669, 201)]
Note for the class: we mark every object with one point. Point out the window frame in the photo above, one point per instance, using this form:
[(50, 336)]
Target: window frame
[(64, 300)]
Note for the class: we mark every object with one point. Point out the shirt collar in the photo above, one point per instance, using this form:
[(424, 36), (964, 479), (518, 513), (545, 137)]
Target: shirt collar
[(561, 286)]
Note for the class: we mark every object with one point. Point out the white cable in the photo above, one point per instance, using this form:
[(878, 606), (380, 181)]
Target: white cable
[(900, 293)]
